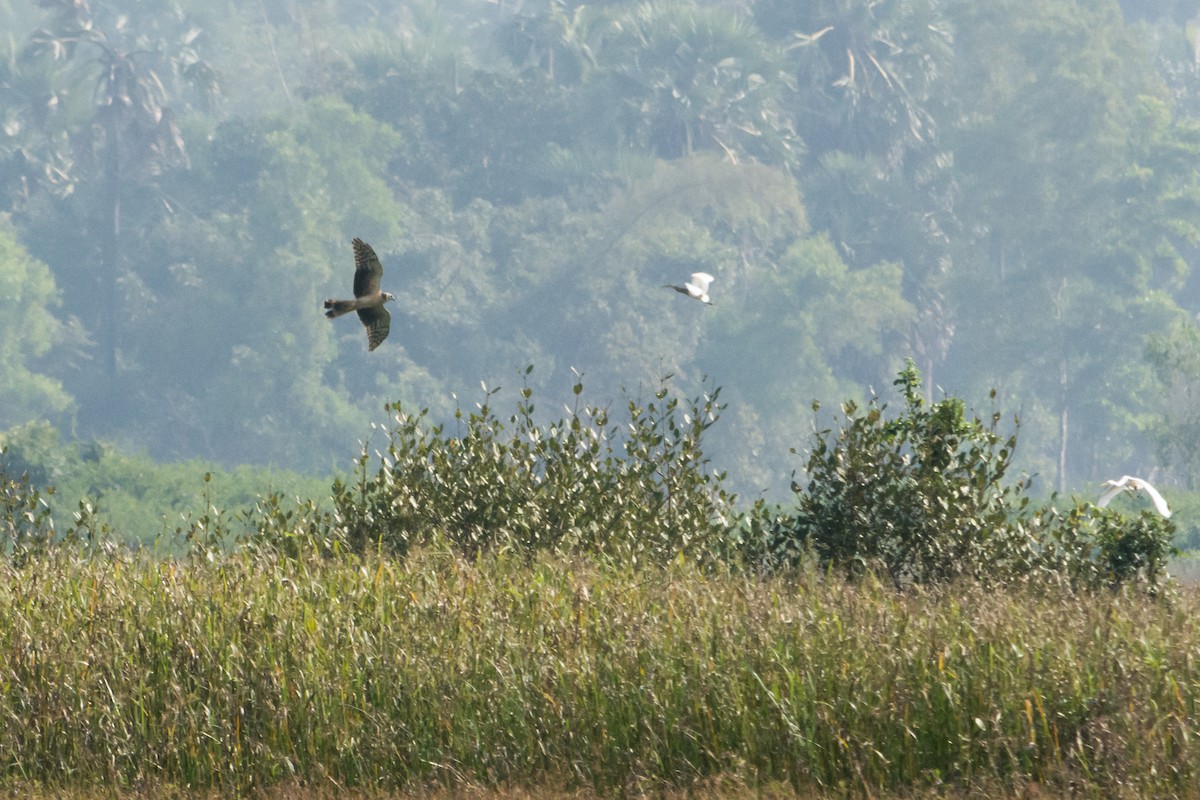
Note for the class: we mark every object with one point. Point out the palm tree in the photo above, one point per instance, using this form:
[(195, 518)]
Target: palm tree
[(697, 78), (131, 134), (865, 71), (34, 151), (558, 42)]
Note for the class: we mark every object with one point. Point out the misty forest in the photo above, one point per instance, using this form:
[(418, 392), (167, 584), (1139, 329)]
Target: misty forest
[(1006, 193), (739, 428)]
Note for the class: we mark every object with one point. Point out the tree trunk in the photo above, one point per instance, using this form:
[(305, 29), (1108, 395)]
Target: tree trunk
[(110, 250), (1060, 481)]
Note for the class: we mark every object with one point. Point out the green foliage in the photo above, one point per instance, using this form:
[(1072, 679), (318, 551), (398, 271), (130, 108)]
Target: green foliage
[(595, 274), (106, 494), (35, 450), (25, 520), (1072, 181), (474, 133), (1133, 549), (688, 77), (131, 133), (1005, 191), (921, 496), (28, 333), (27, 506), (261, 219), (641, 492), (826, 325), (1175, 358), (1092, 548), (867, 74)]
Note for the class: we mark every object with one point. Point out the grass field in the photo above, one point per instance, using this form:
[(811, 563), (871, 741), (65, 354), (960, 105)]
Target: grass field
[(423, 677)]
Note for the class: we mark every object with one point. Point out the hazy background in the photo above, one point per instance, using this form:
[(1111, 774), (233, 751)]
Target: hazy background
[(1006, 192)]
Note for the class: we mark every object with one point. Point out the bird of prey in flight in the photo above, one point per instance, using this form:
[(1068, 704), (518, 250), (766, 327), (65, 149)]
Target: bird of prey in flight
[(368, 299)]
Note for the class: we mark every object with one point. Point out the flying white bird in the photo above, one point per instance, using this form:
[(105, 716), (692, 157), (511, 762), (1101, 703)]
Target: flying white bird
[(697, 287), (1128, 483)]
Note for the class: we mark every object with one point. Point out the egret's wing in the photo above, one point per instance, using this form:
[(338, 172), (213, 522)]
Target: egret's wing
[(702, 279), (368, 272), (378, 322), (1111, 490), (1159, 503)]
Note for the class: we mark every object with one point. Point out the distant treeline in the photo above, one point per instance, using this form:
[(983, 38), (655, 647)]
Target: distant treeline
[(1007, 193)]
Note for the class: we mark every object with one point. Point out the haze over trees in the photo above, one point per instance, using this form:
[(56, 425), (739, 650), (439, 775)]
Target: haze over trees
[(1007, 193)]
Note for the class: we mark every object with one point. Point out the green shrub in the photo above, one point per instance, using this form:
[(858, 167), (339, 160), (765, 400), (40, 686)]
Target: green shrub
[(25, 519), (34, 450), (1095, 547), (922, 498), (642, 491)]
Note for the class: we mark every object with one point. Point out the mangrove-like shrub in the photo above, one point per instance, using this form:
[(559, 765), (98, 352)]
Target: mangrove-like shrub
[(640, 490)]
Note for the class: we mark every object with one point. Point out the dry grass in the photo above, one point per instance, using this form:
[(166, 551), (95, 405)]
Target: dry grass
[(435, 676), (718, 790)]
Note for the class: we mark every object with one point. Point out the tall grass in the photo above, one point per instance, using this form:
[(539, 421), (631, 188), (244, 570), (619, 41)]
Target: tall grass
[(252, 670)]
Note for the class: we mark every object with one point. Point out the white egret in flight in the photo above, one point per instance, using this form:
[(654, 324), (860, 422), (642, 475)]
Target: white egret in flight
[(697, 287), (1128, 483)]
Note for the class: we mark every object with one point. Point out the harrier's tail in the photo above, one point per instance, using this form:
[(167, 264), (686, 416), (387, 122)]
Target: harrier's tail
[(335, 308)]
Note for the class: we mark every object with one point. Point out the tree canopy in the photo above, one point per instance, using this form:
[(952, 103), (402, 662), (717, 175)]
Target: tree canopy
[(1006, 193)]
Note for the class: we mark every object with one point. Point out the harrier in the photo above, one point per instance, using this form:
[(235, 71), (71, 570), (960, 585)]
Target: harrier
[(368, 299)]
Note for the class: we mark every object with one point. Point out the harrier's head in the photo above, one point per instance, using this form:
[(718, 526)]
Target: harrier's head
[(388, 297)]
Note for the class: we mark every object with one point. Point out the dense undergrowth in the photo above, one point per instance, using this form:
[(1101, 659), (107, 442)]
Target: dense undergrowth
[(137, 501), (580, 603), (251, 670), (920, 496)]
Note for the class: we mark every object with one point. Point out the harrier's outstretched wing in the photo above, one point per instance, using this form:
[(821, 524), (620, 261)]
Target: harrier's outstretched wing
[(368, 272), (378, 322)]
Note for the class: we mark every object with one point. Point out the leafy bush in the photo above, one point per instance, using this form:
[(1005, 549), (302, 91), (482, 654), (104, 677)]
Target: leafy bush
[(25, 519), (35, 451), (1095, 547), (578, 484), (922, 498)]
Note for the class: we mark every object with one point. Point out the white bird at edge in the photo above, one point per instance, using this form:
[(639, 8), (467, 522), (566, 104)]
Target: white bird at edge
[(1128, 483), (697, 287)]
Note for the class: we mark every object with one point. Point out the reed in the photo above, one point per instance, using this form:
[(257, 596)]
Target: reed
[(253, 670)]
